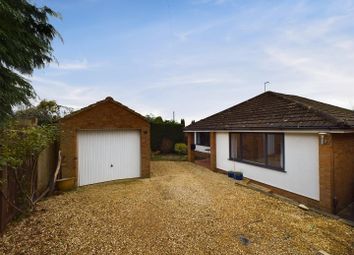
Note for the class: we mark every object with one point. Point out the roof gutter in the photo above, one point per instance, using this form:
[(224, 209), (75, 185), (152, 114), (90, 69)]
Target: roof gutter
[(303, 131)]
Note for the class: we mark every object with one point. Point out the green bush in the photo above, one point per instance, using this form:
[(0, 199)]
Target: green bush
[(161, 132), (181, 148), (166, 145)]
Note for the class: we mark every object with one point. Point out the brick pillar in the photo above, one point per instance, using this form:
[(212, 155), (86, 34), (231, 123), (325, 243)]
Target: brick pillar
[(145, 152), (343, 151), (190, 142), (326, 174), (213, 151)]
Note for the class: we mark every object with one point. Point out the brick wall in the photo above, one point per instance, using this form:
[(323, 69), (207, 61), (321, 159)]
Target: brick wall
[(213, 151), (300, 199), (190, 141), (326, 174), (106, 114), (343, 155), (336, 172), (194, 155), (200, 155)]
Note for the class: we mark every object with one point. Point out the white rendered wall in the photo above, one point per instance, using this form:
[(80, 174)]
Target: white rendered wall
[(301, 164), (201, 148)]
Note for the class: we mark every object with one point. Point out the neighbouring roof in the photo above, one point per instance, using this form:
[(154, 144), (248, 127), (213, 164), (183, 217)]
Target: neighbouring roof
[(107, 99), (275, 111)]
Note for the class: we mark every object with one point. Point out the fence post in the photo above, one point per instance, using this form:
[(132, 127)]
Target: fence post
[(3, 205)]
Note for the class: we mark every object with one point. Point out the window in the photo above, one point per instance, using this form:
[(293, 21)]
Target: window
[(203, 138), (235, 146), (253, 147), (275, 150), (264, 149)]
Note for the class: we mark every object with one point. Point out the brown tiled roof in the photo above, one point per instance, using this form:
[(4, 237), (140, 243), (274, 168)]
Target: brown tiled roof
[(275, 111), (107, 99)]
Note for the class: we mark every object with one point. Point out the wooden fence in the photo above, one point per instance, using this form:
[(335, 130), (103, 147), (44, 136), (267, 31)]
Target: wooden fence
[(8, 196), (10, 192)]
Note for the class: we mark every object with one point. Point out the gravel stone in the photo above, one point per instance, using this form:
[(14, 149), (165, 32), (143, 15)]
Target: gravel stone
[(182, 209)]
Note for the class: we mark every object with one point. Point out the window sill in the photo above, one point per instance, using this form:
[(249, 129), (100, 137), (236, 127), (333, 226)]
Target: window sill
[(259, 165), (203, 145)]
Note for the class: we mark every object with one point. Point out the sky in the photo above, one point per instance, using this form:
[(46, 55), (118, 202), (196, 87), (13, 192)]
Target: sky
[(198, 57)]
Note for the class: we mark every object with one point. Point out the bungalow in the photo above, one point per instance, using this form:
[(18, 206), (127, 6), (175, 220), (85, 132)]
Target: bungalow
[(297, 147)]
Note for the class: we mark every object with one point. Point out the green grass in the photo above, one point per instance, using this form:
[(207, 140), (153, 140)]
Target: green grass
[(169, 157)]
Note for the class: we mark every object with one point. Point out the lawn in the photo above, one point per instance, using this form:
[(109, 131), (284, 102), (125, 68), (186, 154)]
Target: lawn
[(182, 209), (168, 157)]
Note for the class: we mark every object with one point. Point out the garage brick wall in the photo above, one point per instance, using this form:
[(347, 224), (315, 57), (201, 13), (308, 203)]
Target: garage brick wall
[(343, 156), (337, 172), (104, 115), (326, 174)]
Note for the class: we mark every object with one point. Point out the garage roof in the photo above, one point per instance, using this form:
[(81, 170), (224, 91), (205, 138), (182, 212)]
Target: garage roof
[(107, 99)]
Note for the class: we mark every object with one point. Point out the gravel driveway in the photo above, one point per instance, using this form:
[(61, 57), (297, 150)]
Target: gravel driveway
[(182, 209)]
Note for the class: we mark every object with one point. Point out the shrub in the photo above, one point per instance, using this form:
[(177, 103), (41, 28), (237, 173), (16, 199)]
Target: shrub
[(166, 130), (181, 148), (20, 149), (166, 145)]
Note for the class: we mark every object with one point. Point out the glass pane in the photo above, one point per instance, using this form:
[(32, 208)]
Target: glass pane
[(253, 145), (198, 138), (275, 150), (235, 146), (203, 138)]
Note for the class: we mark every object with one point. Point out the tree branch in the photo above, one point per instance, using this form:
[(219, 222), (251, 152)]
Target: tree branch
[(33, 176), (12, 204), (56, 171), (23, 191)]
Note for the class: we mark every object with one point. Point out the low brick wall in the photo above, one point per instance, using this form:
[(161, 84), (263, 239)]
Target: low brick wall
[(200, 155), (298, 198)]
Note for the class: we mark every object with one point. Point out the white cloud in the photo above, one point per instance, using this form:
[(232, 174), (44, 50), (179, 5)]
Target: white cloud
[(73, 65), (215, 2), (320, 30), (72, 95), (198, 65), (203, 28), (313, 67)]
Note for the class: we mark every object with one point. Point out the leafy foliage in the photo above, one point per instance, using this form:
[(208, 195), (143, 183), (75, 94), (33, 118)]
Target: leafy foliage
[(47, 112), (164, 133), (166, 145), (19, 152), (181, 148), (25, 44), (19, 143), (154, 119), (173, 132)]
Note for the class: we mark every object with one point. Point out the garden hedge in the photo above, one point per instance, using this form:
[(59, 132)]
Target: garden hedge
[(165, 135)]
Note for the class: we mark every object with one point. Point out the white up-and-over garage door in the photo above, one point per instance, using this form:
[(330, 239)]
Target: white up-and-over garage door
[(108, 155)]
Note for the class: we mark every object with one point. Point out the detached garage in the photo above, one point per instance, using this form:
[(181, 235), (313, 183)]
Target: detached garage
[(104, 141)]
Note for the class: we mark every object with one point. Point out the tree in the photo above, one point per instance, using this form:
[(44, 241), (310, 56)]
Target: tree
[(21, 144), (47, 112), (19, 151), (154, 119), (25, 44), (183, 123)]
